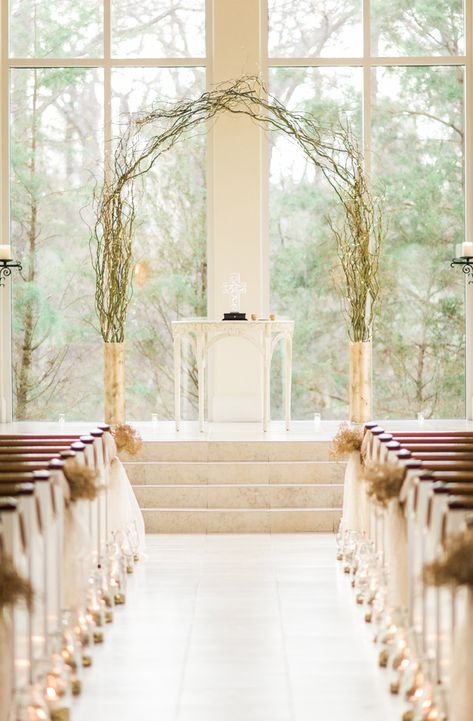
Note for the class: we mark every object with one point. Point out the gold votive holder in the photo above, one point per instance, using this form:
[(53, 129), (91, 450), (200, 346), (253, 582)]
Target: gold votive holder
[(360, 598), (108, 599), (76, 687), (368, 617), (97, 617), (61, 714), (340, 556), (394, 687), (86, 660), (119, 598), (98, 636), (108, 616), (383, 658)]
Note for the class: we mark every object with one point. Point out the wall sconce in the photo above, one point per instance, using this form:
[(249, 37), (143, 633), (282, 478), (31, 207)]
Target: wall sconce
[(6, 263), (465, 260)]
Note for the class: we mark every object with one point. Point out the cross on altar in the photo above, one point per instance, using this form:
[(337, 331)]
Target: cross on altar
[(235, 289)]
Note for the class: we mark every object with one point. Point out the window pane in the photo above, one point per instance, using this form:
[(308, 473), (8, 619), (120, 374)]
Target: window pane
[(302, 247), (158, 28), (169, 244), (305, 28), (417, 27), (56, 28), (418, 157), (55, 146)]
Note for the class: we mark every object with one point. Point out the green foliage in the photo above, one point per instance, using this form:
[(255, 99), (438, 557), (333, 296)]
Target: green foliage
[(417, 157)]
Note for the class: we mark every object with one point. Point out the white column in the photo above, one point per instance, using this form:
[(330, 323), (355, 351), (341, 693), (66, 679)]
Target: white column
[(237, 211), (5, 292), (469, 205)]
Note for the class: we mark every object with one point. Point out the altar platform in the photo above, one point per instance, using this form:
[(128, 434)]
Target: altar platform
[(235, 478), (158, 431)]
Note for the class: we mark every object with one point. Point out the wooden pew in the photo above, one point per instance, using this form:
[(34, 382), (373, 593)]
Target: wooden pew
[(445, 489)]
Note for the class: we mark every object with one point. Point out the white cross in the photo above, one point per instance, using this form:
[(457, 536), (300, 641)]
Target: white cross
[(234, 288)]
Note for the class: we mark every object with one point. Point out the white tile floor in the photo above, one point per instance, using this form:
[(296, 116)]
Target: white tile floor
[(237, 628)]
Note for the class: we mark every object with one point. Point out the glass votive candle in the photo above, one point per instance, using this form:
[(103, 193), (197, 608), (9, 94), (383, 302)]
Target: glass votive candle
[(317, 419), (154, 419), (420, 418), (61, 419)]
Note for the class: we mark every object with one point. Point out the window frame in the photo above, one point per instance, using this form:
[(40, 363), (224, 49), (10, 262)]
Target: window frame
[(367, 62), (107, 64)]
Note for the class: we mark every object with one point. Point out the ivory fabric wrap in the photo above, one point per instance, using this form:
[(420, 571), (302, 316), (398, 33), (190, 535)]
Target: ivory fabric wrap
[(396, 554), (6, 677), (461, 685), (355, 503), (77, 554), (123, 506)]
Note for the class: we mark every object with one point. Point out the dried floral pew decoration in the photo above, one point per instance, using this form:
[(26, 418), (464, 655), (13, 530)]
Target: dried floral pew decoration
[(384, 481), (347, 440), (14, 588), (455, 566), (127, 439), (82, 481)]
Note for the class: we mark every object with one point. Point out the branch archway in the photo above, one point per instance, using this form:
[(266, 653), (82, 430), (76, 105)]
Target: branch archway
[(333, 151)]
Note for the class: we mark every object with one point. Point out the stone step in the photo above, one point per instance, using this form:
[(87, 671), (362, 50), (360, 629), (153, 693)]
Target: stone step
[(205, 451), (296, 520), (240, 496), (234, 472)]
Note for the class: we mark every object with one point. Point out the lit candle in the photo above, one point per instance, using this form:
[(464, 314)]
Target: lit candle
[(467, 250), (5, 252)]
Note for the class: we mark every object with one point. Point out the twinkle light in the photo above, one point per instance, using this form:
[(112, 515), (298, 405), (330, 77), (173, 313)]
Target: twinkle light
[(141, 272), (51, 693)]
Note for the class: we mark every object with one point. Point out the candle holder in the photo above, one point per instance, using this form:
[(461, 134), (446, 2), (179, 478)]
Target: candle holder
[(6, 269), (466, 262)]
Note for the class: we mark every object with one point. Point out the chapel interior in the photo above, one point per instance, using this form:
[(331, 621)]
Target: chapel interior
[(236, 360)]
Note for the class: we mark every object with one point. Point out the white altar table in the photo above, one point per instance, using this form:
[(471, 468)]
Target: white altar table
[(263, 334)]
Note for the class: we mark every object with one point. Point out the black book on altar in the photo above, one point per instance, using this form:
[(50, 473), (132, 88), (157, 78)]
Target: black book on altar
[(234, 316)]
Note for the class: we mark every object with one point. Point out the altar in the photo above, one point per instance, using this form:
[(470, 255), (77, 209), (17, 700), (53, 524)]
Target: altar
[(265, 335)]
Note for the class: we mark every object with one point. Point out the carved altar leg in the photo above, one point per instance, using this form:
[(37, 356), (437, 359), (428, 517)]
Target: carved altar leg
[(266, 377), (201, 381), (177, 380), (287, 381)]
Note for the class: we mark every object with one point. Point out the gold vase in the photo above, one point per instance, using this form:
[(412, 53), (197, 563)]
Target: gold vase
[(114, 382), (360, 381)]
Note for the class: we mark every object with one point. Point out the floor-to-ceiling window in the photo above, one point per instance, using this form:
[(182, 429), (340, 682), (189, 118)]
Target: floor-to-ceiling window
[(396, 70), (76, 71)]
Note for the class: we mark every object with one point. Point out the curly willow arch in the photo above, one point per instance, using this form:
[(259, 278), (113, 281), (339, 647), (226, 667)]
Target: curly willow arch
[(332, 151)]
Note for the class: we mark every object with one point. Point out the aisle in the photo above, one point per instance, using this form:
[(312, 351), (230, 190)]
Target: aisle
[(237, 628)]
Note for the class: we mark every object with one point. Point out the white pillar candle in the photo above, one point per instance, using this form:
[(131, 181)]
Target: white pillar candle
[(467, 250), (5, 252)]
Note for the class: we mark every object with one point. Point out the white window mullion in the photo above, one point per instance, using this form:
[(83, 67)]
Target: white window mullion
[(6, 385), (366, 101), (265, 293), (468, 164), (4, 123), (107, 83), (99, 62), (388, 61)]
